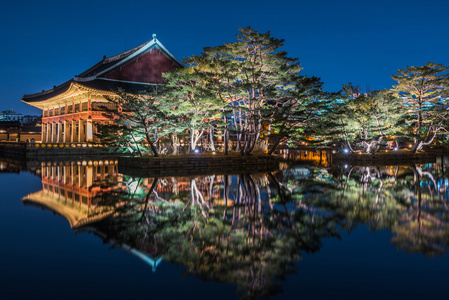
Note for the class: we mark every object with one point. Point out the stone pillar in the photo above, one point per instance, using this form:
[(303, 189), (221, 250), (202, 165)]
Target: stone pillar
[(60, 132), (53, 132), (73, 135), (81, 133)]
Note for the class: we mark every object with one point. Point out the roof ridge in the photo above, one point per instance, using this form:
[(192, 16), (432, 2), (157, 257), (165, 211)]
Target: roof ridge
[(126, 53)]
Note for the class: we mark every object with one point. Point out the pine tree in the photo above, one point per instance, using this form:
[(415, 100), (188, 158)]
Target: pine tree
[(139, 122), (423, 90), (370, 118)]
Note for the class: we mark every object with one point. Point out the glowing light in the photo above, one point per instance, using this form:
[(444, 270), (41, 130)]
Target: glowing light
[(395, 148), (346, 166), (345, 150), (213, 153), (84, 163), (196, 151)]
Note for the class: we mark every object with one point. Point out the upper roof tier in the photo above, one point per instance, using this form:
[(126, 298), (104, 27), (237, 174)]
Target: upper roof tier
[(143, 64)]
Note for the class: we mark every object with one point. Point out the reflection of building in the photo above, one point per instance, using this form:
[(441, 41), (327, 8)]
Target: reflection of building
[(67, 188), (72, 110), (321, 157)]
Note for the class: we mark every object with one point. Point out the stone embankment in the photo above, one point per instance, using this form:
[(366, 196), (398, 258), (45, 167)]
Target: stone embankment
[(197, 165), (385, 158), (44, 151)]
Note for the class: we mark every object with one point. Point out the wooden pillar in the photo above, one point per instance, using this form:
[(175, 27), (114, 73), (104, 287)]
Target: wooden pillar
[(81, 133), (102, 171), (89, 176), (43, 132), (53, 132), (53, 172), (94, 131), (48, 138), (73, 132), (81, 176), (60, 132), (66, 137), (66, 174), (60, 173), (94, 172), (73, 167), (89, 131)]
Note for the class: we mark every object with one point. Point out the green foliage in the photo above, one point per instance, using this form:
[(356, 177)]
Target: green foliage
[(139, 122), (253, 84), (424, 92), (369, 119)]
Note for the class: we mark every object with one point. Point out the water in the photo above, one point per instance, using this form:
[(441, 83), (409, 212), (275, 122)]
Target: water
[(81, 229)]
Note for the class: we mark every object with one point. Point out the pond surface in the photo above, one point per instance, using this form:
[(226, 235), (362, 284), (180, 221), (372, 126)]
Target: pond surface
[(81, 229)]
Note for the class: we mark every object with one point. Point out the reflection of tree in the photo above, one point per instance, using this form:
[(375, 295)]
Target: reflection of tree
[(250, 230), (424, 225), (252, 238), (405, 200)]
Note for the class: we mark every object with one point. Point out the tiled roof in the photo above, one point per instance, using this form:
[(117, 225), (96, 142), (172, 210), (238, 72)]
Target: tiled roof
[(91, 77)]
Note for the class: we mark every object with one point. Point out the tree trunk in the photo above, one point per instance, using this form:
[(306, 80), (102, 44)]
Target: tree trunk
[(275, 145), (226, 141), (192, 140), (175, 142), (211, 137), (152, 146)]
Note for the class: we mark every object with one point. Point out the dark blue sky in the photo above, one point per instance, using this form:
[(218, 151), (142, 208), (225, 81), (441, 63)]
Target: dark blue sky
[(45, 43)]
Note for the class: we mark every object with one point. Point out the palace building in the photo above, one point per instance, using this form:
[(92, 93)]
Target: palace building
[(72, 110)]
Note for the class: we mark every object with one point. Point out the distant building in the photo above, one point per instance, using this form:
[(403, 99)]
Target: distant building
[(11, 115), (72, 110), (14, 131)]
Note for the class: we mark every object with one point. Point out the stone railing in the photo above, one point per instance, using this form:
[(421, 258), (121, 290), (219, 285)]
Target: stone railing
[(64, 145)]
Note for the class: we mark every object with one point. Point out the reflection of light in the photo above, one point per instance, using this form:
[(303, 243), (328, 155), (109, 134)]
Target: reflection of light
[(134, 187)]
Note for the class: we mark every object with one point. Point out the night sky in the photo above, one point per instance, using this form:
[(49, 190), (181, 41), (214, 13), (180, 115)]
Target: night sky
[(45, 43)]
